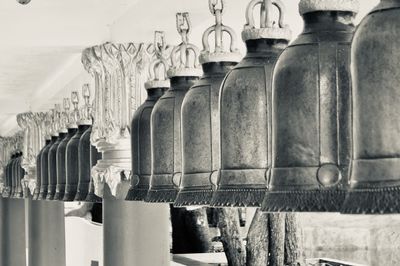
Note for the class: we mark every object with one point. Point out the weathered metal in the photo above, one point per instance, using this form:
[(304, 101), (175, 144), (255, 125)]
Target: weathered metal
[(39, 170), (140, 126), (375, 175), (51, 190), (200, 115), (95, 156), (166, 118), (8, 182), (84, 147), (311, 113), (245, 111), (44, 168), (72, 152), (19, 174)]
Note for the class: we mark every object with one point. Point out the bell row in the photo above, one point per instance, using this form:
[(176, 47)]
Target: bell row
[(308, 125)]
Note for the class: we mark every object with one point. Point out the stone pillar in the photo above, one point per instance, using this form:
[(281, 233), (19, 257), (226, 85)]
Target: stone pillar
[(46, 233)]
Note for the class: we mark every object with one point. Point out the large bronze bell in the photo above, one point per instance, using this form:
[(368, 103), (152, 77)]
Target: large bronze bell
[(311, 112), (95, 156), (166, 119), (72, 154), (8, 178), (140, 126), (84, 147), (200, 116), (68, 125), (44, 162), (245, 111), (19, 175), (51, 190), (375, 167), (35, 195)]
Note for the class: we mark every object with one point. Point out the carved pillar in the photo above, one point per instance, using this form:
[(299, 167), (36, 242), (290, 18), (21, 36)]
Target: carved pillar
[(120, 71), (46, 233)]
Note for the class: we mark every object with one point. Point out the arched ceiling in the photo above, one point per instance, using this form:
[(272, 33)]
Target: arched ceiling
[(41, 42)]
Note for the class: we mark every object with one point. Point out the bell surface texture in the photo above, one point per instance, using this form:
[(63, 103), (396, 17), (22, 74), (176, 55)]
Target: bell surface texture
[(95, 156), (312, 112), (44, 169), (245, 112), (166, 119), (72, 164), (8, 179), (20, 173), (35, 195), (61, 164), (375, 167), (84, 150), (140, 127), (200, 116), (51, 191)]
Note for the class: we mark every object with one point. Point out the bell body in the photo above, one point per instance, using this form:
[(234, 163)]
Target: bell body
[(245, 123), (200, 136), (51, 190), (15, 174), (84, 150), (35, 195), (8, 179), (20, 173), (141, 146), (166, 141), (311, 117), (95, 156), (375, 169), (61, 164), (72, 164), (45, 169)]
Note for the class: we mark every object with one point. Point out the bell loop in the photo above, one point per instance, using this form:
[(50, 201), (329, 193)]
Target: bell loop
[(268, 27), (159, 44), (184, 57)]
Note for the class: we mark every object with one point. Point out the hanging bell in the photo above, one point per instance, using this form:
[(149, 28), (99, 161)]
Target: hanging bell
[(20, 173), (51, 190), (8, 184), (72, 153), (84, 148), (166, 118), (14, 174), (68, 125), (200, 116), (140, 126), (35, 195), (245, 111), (5, 192), (375, 167), (311, 112), (44, 160), (95, 156)]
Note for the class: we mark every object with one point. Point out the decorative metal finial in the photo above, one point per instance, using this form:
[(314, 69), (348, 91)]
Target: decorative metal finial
[(269, 29), (220, 54), (86, 111), (74, 115), (184, 57), (158, 67)]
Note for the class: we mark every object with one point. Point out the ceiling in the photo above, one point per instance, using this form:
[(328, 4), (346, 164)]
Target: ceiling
[(41, 42)]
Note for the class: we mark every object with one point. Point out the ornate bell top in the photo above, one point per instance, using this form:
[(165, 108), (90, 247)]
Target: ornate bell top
[(86, 111), (184, 56), (307, 6), (55, 120), (47, 125), (220, 54), (74, 115), (268, 28), (64, 116), (158, 67)]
